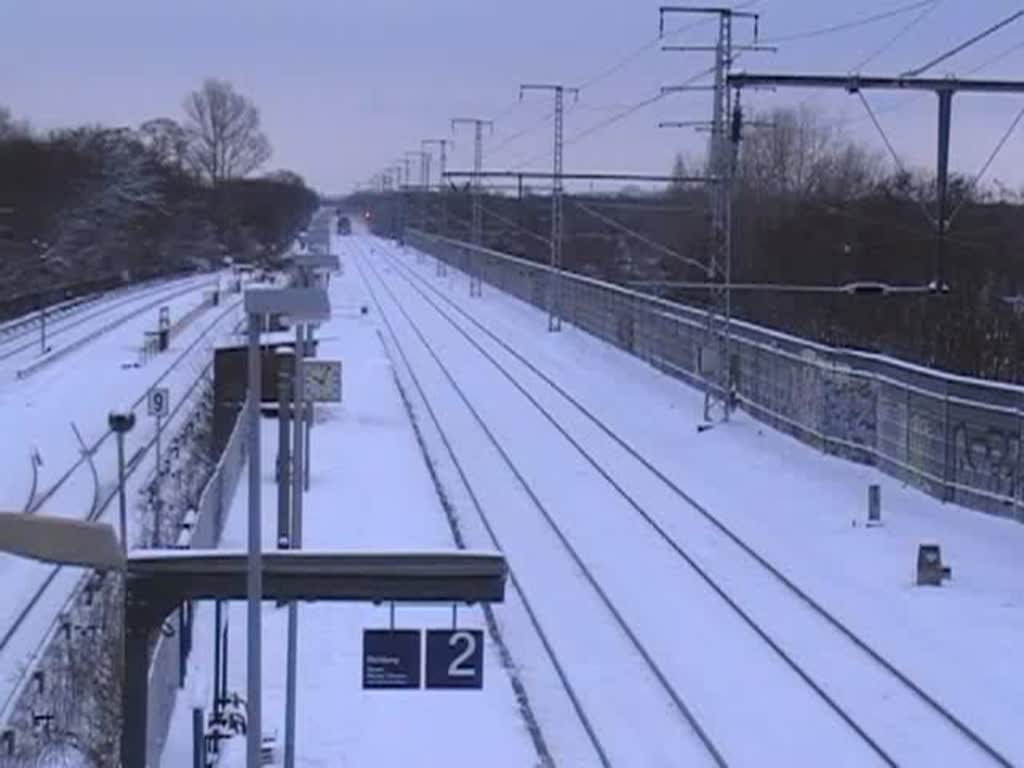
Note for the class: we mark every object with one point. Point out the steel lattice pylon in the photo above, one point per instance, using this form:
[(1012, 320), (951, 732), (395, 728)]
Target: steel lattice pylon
[(475, 282), (555, 276)]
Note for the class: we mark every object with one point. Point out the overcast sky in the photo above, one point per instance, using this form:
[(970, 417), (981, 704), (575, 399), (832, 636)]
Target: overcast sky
[(346, 87)]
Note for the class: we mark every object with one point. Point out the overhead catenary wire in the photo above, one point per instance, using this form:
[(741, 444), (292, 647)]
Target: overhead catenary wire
[(663, 249), (852, 24), (965, 45), (618, 66), (984, 168), (892, 150), (902, 32), (609, 121)]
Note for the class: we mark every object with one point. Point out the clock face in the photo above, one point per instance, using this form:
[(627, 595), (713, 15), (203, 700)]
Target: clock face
[(323, 381)]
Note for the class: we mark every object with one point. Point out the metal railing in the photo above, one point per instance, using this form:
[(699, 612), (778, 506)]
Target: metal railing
[(957, 438)]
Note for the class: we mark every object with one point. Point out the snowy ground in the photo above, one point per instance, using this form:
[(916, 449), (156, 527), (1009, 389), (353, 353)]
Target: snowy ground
[(620, 643), (81, 389)]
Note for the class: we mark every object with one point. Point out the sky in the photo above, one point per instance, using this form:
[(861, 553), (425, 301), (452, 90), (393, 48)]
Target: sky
[(346, 88)]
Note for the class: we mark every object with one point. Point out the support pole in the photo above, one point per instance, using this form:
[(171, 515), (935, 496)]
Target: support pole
[(475, 281), (284, 483), (555, 275), (218, 651), (307, 408), (254, 581), (198, 739), (291, 693), (942, 183)]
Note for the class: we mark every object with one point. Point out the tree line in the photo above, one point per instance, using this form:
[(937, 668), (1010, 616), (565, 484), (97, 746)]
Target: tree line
[(811, 207), (95, 205)]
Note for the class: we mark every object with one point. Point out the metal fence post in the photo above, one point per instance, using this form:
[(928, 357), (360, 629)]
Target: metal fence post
[(1020, 453), (906, 433), (948, 470)]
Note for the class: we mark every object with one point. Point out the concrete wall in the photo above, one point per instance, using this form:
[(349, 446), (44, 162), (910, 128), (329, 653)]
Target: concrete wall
[(956, 438)]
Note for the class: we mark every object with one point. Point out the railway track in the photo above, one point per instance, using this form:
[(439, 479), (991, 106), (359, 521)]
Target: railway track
[(729, 566), (151, 298), (41, 593)]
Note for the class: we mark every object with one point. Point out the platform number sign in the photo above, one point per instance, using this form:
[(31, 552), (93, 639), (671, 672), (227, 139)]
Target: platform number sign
[(455, 658), (158, 403)]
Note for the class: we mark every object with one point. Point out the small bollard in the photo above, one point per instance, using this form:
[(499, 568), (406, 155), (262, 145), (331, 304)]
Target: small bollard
[(930, 570), (40, 679), (874, 504), (7, 742)]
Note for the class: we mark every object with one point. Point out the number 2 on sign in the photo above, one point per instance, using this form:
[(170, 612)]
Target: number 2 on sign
[(456, 668)]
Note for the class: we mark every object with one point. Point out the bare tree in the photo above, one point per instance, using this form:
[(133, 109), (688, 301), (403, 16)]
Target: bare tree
[(166, 139), (9, 127), (802, 155), (225, 139)]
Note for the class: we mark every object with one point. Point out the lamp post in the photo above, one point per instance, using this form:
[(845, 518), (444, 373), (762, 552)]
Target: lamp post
[(121, 424)]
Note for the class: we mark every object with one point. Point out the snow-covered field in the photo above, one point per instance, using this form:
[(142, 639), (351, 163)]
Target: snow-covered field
[(642, 633)]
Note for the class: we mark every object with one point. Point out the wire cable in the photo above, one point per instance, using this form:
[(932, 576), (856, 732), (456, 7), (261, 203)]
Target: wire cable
[(900, 34), (609, 121), (984, 168), (892, 150), (852, 24), (641, 238), (964, 45)]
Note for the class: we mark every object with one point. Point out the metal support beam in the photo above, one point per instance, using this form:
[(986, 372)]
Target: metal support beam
[(722, 146), (519, 175), (944, 88)]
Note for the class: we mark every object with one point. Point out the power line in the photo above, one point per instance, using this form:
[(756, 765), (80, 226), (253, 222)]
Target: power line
[(617, 117), (608, 72), (964, 45), (984, 168), (641, 238), (900, 34), (852, 24)]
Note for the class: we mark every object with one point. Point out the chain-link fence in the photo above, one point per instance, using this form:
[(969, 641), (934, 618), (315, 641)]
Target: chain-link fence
[(956, 438)]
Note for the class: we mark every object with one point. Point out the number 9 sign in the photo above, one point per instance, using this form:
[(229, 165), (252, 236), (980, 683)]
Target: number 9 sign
[(158, 402)]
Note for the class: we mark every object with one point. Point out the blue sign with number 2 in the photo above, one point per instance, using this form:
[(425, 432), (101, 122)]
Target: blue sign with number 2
[(455, 658)]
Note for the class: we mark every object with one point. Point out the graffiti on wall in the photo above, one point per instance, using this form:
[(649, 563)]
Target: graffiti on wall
[(987, 456), (850, 411)]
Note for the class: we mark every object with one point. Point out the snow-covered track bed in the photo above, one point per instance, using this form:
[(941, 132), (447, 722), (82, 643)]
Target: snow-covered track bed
[(81, 328), (735, 638), (44, 591)]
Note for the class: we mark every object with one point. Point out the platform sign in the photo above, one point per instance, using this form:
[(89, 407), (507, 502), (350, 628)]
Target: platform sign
[(323, 380), (455, 658), (391, 658), (158, 402)]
